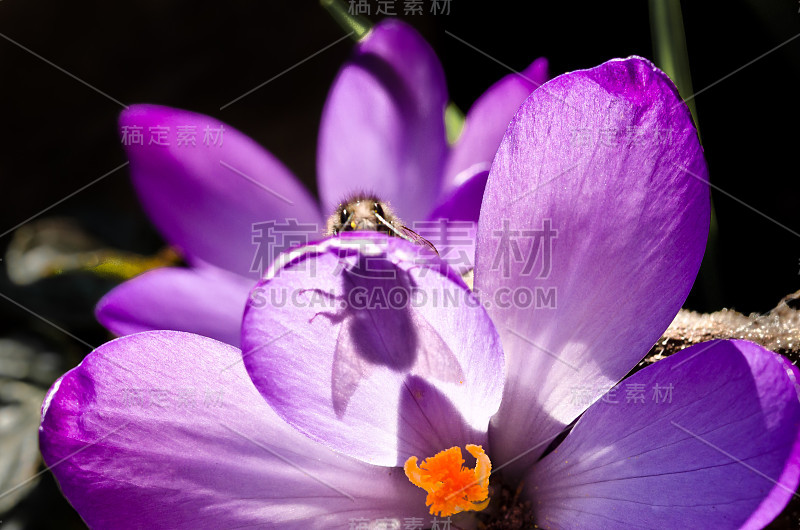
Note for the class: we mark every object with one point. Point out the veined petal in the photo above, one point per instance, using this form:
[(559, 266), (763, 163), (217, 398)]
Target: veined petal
[(707, 438), (382, 127), (453, 225), (205, 300), (164, 429), (487, 121), (373, 349), (592, 229), (205, 198)]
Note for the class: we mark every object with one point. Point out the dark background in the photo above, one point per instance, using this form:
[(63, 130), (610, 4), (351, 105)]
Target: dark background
[(57, 135)]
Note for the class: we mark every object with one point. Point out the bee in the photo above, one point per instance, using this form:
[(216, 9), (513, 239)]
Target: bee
[(367, 212)]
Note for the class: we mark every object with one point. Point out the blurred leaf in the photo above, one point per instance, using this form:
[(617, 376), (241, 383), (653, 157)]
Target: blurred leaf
[(453, 122), (19, 440), (53, 246), (25, 358)]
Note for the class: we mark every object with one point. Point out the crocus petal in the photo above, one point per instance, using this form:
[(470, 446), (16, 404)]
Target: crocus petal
[(707, 438), (206, 301), (487, 121), (205, 198), (164, 429), (453, 225), (373, 349), (382, 127), (586, 250)]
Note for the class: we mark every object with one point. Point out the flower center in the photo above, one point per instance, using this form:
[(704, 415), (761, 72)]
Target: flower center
[(451, 487)]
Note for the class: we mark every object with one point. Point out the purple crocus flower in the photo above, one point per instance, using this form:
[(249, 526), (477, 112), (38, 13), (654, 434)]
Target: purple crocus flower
[(212, 189), (364, 367)]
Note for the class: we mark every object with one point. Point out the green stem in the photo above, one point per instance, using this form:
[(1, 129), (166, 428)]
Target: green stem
[(357, 25), (669, 47)]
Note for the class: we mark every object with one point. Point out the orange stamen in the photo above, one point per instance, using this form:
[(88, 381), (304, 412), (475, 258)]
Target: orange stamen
[(451, 487)]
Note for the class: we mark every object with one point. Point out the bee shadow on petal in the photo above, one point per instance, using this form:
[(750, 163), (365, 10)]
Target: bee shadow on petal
[(379, 328), (429, 422)]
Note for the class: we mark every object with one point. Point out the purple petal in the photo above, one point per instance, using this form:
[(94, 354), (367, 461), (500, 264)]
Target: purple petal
[(165, 430), (453, 225), (587, 249), (707, 438), (373, 349), (206, 301), (382, 128), (205, 198), (487, 121)]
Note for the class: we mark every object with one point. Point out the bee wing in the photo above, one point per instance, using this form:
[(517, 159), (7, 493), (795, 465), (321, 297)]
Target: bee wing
[(414, 237)]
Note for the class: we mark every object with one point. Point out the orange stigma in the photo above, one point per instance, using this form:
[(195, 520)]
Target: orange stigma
[(451, 487)]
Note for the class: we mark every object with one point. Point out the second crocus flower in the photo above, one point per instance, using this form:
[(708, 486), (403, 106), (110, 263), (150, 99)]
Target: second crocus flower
[(230, 206)]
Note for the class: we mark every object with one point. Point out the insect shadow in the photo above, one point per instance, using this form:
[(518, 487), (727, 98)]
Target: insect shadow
[(381, 329)]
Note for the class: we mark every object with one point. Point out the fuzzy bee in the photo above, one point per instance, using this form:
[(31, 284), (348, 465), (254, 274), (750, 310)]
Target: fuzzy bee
[(367, 212)]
